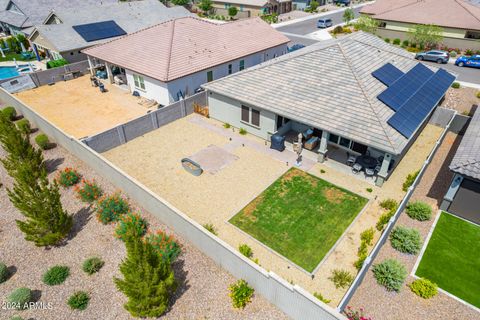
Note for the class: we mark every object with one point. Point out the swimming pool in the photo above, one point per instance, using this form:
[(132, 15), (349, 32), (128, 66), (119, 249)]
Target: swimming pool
[(9, 72)]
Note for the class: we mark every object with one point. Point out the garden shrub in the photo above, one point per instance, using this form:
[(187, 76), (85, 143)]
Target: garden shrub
[(387, 40), (363, 249), (469, 52), (24, 126), (367, 236), (320, 297), (56, 63), (456, 85), (359, 262), (341, 278), (356, 314), (4, 273), (241, 293), (245, 250), (396, 41), (20, 298), (16, 318), (242, 131), (10, 113), (68, 177), (79, 300), (453, 53), (369, 190), (337, 29), (389, 204), (406, 240), (226, 125), (42, 141), (405, 43), (90, 191), (419, 210), (390, 273), (211, 228), (56, 275), (413, 45), (384, 218), (166, 246), (424, 288), (130, 225), (409, 180), (92, 265), (478, 94)]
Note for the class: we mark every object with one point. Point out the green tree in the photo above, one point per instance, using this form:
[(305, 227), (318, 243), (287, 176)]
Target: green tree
[(148, 279), (232, 12), (314, 5), (367, 24), (205, 6), (181, 2), (348, 15), (425, 35)]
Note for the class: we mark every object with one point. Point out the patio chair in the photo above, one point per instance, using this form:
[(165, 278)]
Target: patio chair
[(351, 159), (307, 134), (369, 172), (311, 143), (356, 168)]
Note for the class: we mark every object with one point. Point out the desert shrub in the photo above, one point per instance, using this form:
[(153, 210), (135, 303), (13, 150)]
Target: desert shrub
[(358, 264), (92, 265), (56, 275), (369, 190), (469, 52), (396, 41), (337, 29), (424, 288), (419, 210), (79, 300), (211, 228), (406, 240), (413, 45), (68, 177), (320, 297), (405, 43), (10, 113), (131, 225), (165, 245), (387, 40), (390, 273), (356, 314), (245, 250), (20, 298), (367, 236), (389, 204), (112, 208), (226, 125), (42, 141), (453, 53), (478, 94), (409, 180), (384, 218), (242, 131), (241, 293), (456, 85), (347, 30), (90, 191), (24, 126), (56, 63), (4, 273), (341, 278), (16, 318), (363, 249)]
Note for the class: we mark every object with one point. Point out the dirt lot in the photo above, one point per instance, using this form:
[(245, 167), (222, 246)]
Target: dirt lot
[(203, 290), (462, 99), (80, 109)]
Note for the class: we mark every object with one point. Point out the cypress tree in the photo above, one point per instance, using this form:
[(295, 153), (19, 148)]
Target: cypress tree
[(148, 279)]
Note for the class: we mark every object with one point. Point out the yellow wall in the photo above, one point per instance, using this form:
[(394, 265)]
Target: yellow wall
[(254, 11), (402, 26)]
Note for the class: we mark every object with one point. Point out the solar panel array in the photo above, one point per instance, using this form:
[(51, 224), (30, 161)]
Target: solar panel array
[(405, 87), (387, 74), (416, 109), (99, 30)]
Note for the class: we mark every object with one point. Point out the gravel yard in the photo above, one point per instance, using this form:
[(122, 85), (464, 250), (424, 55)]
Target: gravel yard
[(203, 290), (462, 99), (380, 304)]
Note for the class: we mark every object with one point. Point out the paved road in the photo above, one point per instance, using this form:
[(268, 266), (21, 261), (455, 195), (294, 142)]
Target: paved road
[(465, 74)]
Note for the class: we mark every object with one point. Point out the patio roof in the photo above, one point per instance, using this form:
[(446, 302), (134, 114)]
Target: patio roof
[(467, 158), (329, 86)]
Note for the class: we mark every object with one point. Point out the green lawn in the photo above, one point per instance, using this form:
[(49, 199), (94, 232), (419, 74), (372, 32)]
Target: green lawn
[(300, 216), (452, 258), (17, 56)]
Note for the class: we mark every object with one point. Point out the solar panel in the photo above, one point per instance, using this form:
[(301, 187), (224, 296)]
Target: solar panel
[(387, 74), (402, 89), (414, 111), (99, 30)]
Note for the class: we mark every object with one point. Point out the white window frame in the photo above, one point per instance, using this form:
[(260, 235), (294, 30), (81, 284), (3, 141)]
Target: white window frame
[(138, 82)]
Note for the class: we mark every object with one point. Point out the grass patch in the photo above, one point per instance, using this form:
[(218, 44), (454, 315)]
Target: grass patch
[(300, 216), (451, 259), (16, 56)]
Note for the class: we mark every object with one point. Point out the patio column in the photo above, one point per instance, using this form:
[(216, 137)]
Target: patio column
[(90, 65), (382, 174), (109, 72), (322, 150)]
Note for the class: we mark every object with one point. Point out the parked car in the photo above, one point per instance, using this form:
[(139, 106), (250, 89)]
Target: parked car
[(437, 56), (324, 23), (342, 2), (464, 61), (295, 47)]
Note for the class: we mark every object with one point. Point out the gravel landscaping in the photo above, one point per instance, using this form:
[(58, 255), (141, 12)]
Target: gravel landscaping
[(462, 99), (203, 289)]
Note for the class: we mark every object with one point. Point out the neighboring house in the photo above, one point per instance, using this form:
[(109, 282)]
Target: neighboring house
[(60, 37), (252, 8), (331, 90), (173, 59), (19, 16), (463, 196), (459, 19)]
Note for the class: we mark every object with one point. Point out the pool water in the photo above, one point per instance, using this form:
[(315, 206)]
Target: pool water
[(9, 72)]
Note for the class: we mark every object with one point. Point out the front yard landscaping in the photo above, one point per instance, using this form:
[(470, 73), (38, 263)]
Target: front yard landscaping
[(452, 258), (300, 216)]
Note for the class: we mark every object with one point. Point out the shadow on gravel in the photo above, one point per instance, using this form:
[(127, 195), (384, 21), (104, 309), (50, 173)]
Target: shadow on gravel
[(181, 275), (80, 219), (52, 164)]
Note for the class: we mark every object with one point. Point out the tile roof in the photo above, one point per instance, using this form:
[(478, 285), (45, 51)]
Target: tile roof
[(467, 158), (183, 46), (130, 16), (445, 13), (327, 85), (253, 3)]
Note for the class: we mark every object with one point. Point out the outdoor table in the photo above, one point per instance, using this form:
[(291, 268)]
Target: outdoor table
[(367, 161)]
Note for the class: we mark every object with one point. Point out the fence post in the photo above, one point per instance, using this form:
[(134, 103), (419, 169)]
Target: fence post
[(153, 116), (183, 108), (121, 134)]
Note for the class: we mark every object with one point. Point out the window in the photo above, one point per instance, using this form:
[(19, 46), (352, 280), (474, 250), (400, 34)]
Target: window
[(71, 53), (344, 142), (209, 76), (382, 24), (256, 117), (251, 116), (230, 69), (241, 65), (139, 82), (227, 5), (245, 114), (241, 8), (333, 138)]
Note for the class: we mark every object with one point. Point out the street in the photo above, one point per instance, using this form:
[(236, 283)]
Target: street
[(465, 74)]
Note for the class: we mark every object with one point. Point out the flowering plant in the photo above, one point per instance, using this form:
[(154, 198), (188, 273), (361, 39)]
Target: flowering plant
[(68, 177), (165, 245), (112, 208), (131, 225), (89, 191), (356, 314)]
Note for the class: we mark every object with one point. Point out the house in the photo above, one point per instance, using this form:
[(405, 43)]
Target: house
[(171, 60), (59, 35), (252, 8), (20, 16), (351, 96), (459, 19), (463, 195)]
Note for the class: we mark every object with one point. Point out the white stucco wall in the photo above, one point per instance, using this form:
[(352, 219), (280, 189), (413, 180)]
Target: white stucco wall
[(230, 111), (154, 89)]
